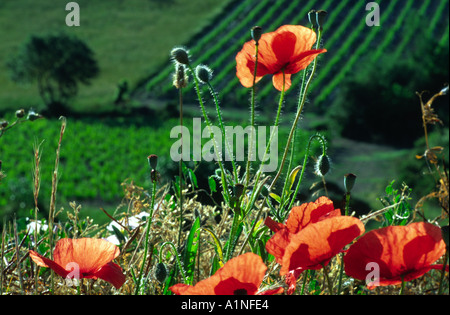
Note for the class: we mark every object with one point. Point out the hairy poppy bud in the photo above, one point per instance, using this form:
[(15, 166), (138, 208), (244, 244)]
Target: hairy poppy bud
[(153, 161), (349, 181), (204, 73), (322, 165), (20, 113), (311, 17), (161, 272), (320, 18), (180, 78), (256, 33), (181, 55), (32, 115)]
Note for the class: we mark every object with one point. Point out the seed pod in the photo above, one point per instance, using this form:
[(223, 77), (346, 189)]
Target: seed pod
[(153, 161), (256, 32), (320, 18), (349, 181), (311, 17)]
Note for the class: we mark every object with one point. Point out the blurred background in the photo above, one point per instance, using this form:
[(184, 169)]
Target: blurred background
[(111, 77)]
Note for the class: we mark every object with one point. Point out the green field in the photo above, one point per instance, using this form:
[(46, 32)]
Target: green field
[(132, 41)]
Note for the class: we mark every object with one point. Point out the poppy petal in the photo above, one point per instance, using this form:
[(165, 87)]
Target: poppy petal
[(111, 273), (398, 251), (48, 263), (281, 81), (317, 243), (90, 254), (312, 212)]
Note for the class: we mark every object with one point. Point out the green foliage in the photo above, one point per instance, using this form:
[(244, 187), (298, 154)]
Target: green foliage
[(58, 63), (401, 210), (376, 102)]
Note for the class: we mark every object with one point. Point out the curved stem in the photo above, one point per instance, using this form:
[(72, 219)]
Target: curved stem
[(208, 122), (175, 253)]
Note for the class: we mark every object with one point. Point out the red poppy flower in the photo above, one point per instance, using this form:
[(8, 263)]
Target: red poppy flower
[(315, 245), (92, 257), (406, 252), (241, 275), (281, 53), (299, 218)]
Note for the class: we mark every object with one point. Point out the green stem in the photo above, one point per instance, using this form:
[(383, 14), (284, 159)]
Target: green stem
[(327, 278), (219, 116), (149, 222), (252, 119), (402, 289), (277, 119), (297, 188), (180, 266), (180, 166), (302, 100), (208, 123)]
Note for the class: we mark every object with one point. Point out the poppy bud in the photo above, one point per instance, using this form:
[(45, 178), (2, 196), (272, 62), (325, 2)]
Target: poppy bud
[(32, 115), (311, 18), (153, 161), (444, 91), (349, 181), (180, 78), (204, 73), (323, 165), (320, 17), (161, 272), (20, 113), (4, 124), (444, 231), (181, 55), (256, 33)]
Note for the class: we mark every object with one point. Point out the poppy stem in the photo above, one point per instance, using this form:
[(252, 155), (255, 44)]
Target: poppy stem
[(402, 289), (302, 100), (223, 175), (219, 116), (327, 278), (149, 222), (252, 118)]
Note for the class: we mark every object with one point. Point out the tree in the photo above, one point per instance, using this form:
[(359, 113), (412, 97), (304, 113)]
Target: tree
[(58, 63)]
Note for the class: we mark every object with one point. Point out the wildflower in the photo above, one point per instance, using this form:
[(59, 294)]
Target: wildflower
[(281, 53), (315, 245), (241, 275), (92, 256), (299, 217), (401, 252)]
